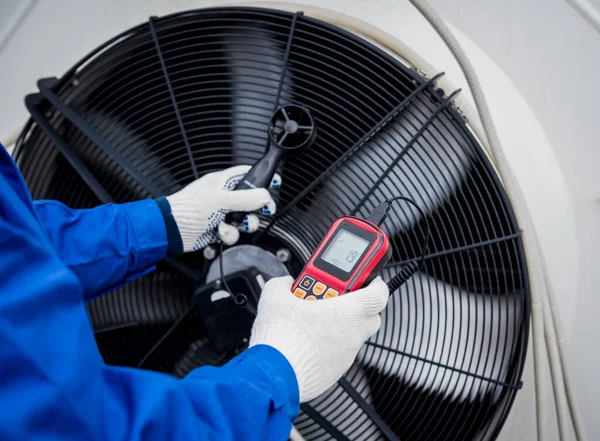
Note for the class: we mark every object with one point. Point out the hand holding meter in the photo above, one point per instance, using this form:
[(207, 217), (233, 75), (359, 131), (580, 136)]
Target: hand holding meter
[(352, 254)]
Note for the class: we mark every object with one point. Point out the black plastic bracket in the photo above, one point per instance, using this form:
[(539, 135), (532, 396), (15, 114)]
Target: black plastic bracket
[(227, 324), (46, 89)]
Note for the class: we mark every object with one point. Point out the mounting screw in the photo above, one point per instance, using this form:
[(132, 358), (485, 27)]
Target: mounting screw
[(283, 255), (209, 252)]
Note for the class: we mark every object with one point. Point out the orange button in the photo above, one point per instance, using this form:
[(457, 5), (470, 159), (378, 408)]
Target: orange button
[(311, 298), (300, 293), (331, 293), (319, 288)]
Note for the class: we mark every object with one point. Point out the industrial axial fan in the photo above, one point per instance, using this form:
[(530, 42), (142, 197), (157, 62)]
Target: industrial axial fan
[(190, 93)]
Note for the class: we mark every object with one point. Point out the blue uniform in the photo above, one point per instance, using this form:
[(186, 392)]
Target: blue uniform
[(53, 382)]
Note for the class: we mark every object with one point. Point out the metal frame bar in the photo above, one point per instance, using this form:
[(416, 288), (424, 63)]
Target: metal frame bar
[(286, 58), (115, 328), (435, 363), (45, 85), (368, 409), (32, 102), (172, 95), (169, 331), (458, 249), (406, 149), (321, 421)]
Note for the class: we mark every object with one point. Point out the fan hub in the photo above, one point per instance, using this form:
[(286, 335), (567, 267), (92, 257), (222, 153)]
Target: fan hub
[(291, 126), (244, 257), (246, 269), (228, 324)]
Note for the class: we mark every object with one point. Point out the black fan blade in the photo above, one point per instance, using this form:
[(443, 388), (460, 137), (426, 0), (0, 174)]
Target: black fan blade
[(338, 409), (255, 71), (466, 338), (398, 161), (124, 137), (158, 298)]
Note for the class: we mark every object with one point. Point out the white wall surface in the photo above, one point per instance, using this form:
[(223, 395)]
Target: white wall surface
[(544, 47)]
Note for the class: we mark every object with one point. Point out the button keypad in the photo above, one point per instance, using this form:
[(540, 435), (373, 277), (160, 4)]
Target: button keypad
[(300, 293), (311, 289), (331, 293)]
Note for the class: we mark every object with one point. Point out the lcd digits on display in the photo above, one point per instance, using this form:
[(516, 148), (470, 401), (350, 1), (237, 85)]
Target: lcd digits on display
[(345, 250)]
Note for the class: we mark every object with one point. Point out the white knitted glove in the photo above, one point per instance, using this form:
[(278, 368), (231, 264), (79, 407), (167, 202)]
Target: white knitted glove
[(319, 338), (199, 209)]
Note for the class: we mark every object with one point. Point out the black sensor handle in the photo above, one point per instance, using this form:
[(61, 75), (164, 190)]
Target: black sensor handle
[(260, 175)]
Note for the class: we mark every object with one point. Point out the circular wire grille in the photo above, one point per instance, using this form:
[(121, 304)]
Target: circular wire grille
[(191, 93)]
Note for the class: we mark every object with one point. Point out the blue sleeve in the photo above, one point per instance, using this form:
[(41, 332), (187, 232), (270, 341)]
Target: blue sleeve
[(253, 397), (55, 385), (108, 245)]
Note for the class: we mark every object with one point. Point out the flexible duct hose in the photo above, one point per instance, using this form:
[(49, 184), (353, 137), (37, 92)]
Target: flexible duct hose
[(544, 320)]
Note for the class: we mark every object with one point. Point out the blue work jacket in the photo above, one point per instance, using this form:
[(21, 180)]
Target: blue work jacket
[(54, 384)]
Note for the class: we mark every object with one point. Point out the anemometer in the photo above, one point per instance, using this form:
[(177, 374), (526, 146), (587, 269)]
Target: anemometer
[(351, 254)]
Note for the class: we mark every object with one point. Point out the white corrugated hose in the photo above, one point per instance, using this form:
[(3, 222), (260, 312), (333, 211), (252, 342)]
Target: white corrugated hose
[(10, 140)]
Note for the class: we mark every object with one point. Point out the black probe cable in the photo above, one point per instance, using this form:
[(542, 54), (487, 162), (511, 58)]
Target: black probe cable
[(241, 299), (378, 216)]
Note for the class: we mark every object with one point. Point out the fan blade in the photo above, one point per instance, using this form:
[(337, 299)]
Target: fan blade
[(433, 324), (124, 139), (343, 413), (397, 162), (157, 298), (256, 68)]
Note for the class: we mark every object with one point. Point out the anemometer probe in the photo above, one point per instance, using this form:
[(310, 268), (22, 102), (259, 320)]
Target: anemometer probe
[(354, 250), (291, 129)]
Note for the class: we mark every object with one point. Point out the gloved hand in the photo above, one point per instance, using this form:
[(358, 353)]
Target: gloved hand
[(199, 209), (319, 338)]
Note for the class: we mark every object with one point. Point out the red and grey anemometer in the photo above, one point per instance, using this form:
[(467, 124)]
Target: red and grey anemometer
[(352, 253)]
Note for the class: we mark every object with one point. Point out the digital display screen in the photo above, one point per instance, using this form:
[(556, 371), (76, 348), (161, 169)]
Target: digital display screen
[(345, 250)]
